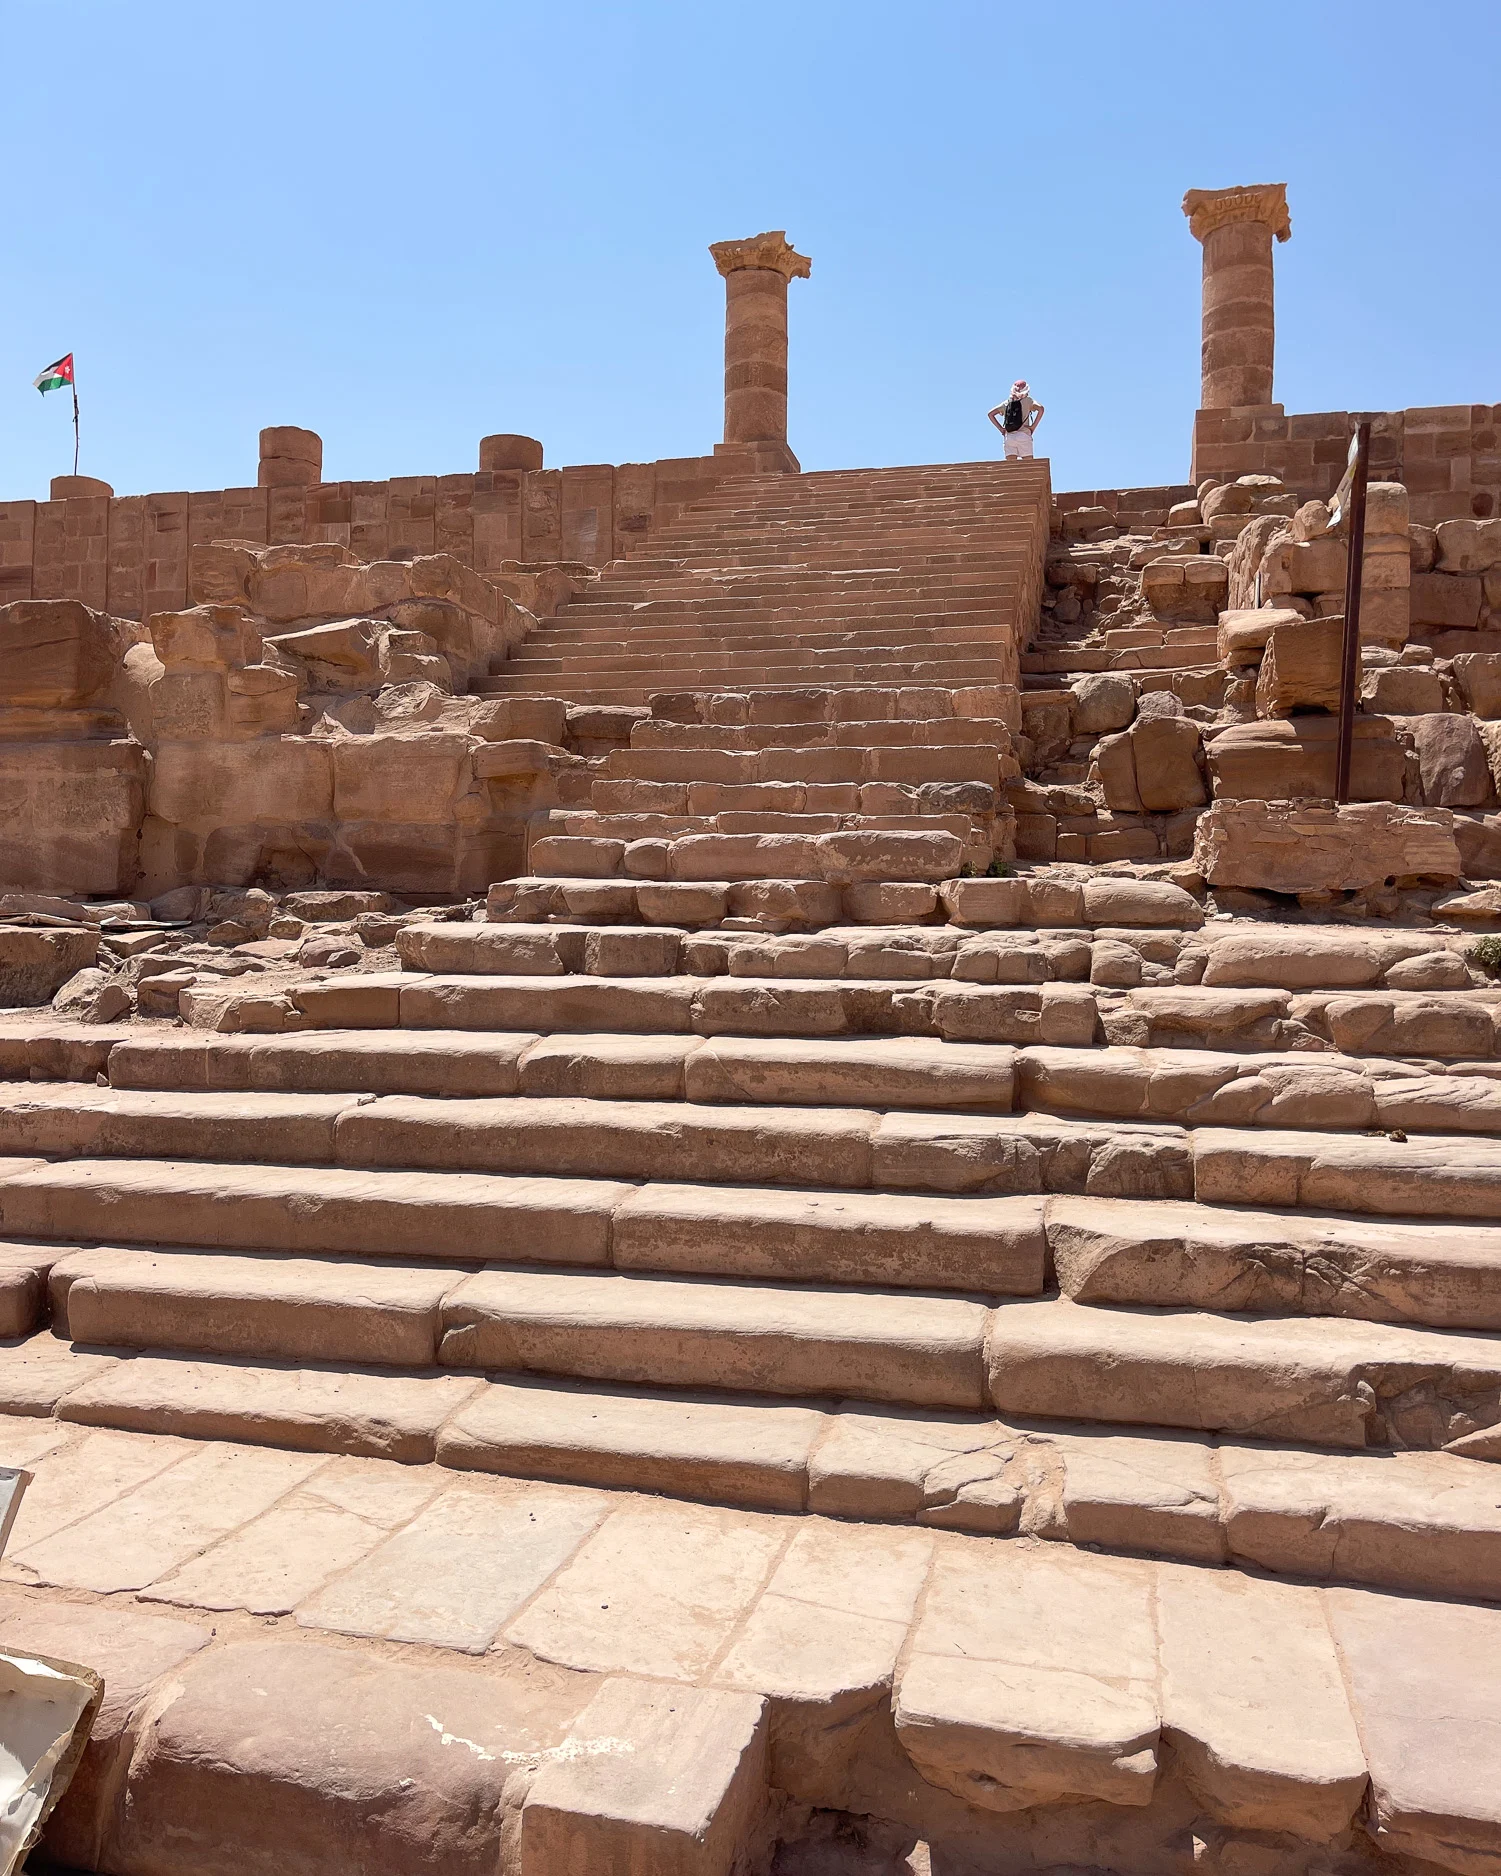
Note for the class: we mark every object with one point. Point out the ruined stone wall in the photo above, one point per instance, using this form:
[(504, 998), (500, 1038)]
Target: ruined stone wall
[(1448, 457), (128, 555)]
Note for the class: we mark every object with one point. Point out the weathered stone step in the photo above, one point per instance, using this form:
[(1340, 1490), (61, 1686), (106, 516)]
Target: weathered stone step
[(1416, 1521), (1100, 1250), (662, 1331), (1190, 1087), (1340, 1382), (990, 1246), (697, 1332), (1323, 1382), (261, 1305), (1308, 1715)]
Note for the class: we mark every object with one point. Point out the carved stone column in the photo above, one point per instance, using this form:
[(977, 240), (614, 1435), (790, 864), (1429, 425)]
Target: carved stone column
[(1236, 227), (756, 273)]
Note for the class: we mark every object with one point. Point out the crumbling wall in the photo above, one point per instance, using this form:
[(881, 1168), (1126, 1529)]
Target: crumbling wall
[(1448, 457), (129, 555), (310, 719)]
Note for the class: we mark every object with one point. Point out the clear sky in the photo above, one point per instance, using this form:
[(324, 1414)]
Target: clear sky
[(405, 226)]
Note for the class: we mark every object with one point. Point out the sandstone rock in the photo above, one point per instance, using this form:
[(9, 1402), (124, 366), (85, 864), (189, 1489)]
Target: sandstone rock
[(1479, 677), (1402, 691), (92, 996), (56, 654), (35, 964), (1468, 546), (1292, 759), (1452, 762), (1301, 668), (361, 1766), (1303, 846), (1103, 700), (1165, 749), (1479, 846), (1113, 771)]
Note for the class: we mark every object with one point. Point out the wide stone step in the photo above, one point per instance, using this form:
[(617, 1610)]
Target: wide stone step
[(545, 1618), (1339, 1382), (1325, 1383), (1099, 1250), (263, 1306), (661, 1331), (696, 1332), (1439, 1175), (1190, 1087), (1417, 1521)]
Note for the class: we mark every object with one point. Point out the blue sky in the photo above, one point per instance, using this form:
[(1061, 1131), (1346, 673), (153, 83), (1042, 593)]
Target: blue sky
[(406, 226)]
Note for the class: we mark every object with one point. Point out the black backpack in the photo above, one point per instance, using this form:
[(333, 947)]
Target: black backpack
[(1015, 417)]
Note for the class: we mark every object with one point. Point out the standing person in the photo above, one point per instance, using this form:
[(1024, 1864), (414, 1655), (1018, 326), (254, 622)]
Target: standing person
[(1017, 420)]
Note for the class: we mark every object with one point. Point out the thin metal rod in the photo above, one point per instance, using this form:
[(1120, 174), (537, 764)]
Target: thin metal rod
[(75, 429), (1354, 571)]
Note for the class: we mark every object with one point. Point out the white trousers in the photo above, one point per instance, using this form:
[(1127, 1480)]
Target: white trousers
[(1018, 445)]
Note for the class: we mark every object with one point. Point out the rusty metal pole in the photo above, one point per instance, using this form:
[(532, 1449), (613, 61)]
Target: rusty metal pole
[(1357, 475)]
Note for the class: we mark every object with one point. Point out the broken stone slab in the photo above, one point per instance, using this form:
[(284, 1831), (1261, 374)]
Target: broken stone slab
[(1324, 1383), (653, 1777), (1426, 1522), (1307, 846), (1031, 1678), (957, 1471), (1254, 1704), (1425, 1686), (1293, 1263), (397, 1765)]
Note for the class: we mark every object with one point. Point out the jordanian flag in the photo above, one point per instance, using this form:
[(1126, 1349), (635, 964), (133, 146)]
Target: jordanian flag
[(57, 376)]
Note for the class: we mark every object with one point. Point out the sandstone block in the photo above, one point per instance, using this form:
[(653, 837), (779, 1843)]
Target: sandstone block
[(132, 1651), (1301, 668), (667, 1780), (1468, 546), (1166, 751), (1031, 1679), (1402, 690), (1302, 846), (1293, 759), (576, 857), (1254, 1703), (1424, 1683), (357, 1769), (1448, 601), (1243, 634), (1479, 675), (1452, 762), (36, 962)]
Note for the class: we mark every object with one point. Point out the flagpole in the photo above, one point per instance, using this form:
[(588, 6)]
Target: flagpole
[(75, 428)]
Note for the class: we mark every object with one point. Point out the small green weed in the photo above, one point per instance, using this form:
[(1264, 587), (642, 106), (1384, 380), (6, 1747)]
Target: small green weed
[(1485, 955)]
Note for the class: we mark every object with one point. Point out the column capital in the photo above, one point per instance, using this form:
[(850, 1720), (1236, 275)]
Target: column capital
[(1265, 202), (771, 251)]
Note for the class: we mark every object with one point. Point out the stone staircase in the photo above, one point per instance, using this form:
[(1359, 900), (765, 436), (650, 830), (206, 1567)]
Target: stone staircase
[(908, 1229), (873, 576)]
